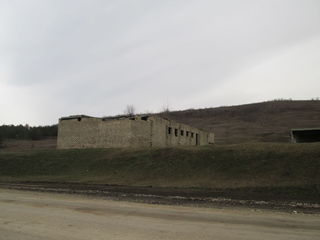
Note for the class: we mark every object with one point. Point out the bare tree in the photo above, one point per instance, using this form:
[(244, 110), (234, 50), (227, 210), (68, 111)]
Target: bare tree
[(130, 110), (165, 109)]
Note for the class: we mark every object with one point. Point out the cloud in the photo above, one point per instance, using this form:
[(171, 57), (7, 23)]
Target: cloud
[(95, 57), (294, 71)]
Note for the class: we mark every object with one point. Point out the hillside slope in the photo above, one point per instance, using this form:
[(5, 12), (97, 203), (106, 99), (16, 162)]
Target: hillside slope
[(238, 165), (267, 170), (262, 122)]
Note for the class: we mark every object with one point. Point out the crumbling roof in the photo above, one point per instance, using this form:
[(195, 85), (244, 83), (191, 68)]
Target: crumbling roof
[(131, 117), (117, 117), (75, 117), (125, 117)]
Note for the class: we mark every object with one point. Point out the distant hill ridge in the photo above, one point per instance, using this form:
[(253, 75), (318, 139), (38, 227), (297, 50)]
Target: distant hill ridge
[(261, 122)]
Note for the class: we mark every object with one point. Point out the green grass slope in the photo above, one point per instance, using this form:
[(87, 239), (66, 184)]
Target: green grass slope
[(221, 166)]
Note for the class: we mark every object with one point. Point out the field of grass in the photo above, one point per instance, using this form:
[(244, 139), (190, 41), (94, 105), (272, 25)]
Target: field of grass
[(220, 166)]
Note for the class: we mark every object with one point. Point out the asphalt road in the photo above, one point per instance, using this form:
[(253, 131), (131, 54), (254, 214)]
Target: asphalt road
[(33, 215)]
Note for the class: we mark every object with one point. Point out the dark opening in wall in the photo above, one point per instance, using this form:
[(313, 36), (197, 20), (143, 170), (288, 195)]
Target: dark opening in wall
[(132, 118), (145, 118), (305, 135), (79, 119), (176, 132), (169, 130), (192, 134), (181, 132), (197, 139), (187, 133)]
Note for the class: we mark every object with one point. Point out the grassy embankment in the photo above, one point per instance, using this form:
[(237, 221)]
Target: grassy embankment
[(225, 166)]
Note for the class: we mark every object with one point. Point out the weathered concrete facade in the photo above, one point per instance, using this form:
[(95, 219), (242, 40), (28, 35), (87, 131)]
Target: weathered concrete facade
[(133, 131)]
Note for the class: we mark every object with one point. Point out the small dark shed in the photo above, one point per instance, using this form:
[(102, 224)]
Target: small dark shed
[(305, 135)]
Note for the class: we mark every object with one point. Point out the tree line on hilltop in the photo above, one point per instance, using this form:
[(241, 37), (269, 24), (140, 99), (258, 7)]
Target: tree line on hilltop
[(25, 132)]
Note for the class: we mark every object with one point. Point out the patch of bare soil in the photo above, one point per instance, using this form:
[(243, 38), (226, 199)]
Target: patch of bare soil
[(37, 215)]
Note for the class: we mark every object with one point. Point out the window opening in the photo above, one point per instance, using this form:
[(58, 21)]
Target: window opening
[(145, 118), (169, 130), (181, 132), (197, 139), (176, 132), (187, 133), (192, 134)]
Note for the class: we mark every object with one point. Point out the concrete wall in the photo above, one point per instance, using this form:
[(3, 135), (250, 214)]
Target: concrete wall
[(84, 132), (114, 133), (169, 133), (141, 133), (94, 133)]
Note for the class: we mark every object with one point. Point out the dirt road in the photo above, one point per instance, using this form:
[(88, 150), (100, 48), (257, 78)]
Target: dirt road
[(34, 215)]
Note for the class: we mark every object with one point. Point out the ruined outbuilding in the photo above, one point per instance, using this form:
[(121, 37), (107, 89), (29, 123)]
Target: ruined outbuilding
[(127, 131), (305, 135)]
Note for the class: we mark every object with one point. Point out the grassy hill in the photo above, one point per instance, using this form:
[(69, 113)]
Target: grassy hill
[(257, 122), (220, 166)]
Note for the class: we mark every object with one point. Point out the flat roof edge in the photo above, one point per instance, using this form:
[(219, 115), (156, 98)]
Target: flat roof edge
[(75, 117), (304, 129)]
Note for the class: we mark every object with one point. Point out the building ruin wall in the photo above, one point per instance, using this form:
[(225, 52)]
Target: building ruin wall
[(151, 132)]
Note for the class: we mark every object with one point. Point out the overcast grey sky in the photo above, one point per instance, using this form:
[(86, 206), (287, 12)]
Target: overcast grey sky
[(94, 57)]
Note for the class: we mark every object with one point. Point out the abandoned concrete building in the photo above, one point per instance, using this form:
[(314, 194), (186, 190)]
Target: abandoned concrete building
[(127, 131), (305, 135)]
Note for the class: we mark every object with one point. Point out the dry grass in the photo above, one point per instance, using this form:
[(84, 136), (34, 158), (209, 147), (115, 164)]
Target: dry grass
[(258, 122), (21, 145), (239, 165)]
